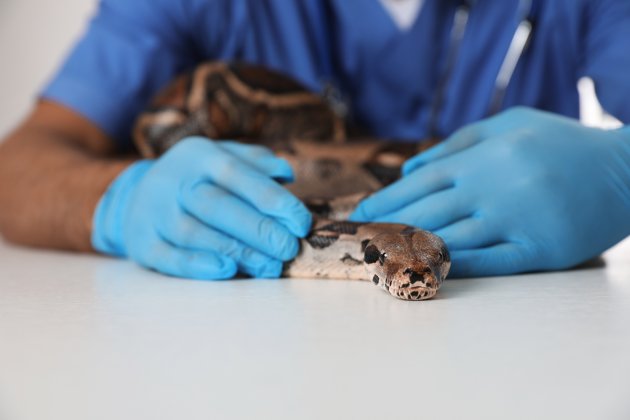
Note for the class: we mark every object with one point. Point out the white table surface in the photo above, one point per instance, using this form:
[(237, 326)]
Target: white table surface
[(87, 337)]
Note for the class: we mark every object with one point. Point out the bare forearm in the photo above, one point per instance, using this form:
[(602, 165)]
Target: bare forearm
[(50, 184)]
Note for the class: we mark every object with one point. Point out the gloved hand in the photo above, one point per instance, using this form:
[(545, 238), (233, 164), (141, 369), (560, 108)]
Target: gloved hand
[(203, 210), (522, 191)]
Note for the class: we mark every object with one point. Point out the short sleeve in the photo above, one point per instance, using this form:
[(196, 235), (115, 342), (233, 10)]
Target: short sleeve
[(607, 54), (129, 51)]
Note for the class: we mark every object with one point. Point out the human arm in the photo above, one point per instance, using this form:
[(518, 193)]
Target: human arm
[(542, 184), (202, 210), (523, 191), (53, 170), (65, 152), (130, 51)]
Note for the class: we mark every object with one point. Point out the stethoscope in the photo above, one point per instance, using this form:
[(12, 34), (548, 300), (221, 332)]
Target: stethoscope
[(518, 45)]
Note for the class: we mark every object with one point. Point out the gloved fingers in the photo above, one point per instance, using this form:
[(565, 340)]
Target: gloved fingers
[(229, 214), (499, 259), (169, 259), (470, 135), (433, 211), (254, 187), (509, 120), (469, 233), (204, 155), (261, 158), (462, 139), (189, 233), (402, 193), (259, 265)]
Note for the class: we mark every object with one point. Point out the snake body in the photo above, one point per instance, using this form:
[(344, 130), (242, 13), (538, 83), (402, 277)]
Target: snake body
[(256, 105)]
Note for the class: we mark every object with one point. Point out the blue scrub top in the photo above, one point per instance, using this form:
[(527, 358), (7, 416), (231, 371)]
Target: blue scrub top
[(389, 76)]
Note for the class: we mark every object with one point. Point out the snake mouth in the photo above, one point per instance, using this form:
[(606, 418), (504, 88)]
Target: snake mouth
[(412, 292), (409, 285), (418, 293)]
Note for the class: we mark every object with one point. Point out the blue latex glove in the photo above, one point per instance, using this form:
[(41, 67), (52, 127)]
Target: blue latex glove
[(522, 191), (203, 210)]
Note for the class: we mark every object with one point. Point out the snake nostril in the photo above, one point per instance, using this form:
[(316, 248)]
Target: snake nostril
[(414, 276)]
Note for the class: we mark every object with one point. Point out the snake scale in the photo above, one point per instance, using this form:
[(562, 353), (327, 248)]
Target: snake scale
[(333, 170)]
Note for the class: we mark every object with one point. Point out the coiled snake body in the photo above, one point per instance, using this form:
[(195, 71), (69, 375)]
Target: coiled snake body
[(255, 105)]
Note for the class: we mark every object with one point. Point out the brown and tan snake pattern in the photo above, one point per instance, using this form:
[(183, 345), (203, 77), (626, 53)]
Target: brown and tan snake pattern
[(252, 104)]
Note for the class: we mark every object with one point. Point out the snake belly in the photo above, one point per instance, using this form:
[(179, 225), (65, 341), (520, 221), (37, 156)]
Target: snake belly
[(333, 170)]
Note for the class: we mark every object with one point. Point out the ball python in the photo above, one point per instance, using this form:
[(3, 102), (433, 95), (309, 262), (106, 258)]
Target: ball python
[(333, 170)]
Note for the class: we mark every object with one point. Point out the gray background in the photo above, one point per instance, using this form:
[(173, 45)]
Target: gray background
[(35, 35)]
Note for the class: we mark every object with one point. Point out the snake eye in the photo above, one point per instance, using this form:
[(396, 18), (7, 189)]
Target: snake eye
[(371, 255), (443, 255)]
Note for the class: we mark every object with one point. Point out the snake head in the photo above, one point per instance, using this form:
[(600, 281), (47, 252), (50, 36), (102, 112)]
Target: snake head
[(410, 265)]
